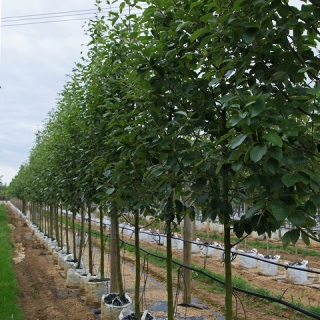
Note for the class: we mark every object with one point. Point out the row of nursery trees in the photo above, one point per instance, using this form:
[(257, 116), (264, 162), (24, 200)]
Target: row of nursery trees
[(189, 104), (3, 190)]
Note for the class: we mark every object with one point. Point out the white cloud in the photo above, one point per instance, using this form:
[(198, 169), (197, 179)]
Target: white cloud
[(34, 62), (7, 173)]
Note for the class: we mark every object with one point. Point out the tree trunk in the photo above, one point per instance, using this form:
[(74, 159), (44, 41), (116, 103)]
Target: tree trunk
[(41, 218), (101, 244), (82, 238), (169, 273), (137, 253), (90, 240), (46, 224), (24, 207), (56, 223), (67, 229), (228, 272), (74, 246), (188, 236), (227, 240), (51, 216), (119, 273), (61, 224)]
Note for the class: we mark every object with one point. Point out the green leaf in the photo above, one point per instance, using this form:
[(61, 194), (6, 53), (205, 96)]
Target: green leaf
[(110, 190), (286, 240), (273, 138), (279, 76), (121, 7), (289, 179), (314, 90), (303, 70), (276, 153), (316, 200), (239, 229), (195, 4), (256, 207), (202, 197), (199, 184), (237, 141), (305, 239), (234, 121), (297, 218), (294, 235), (199, 32), (225, 136), (227, 97), (213, 82), (249, 35), (168, 208), (279, 210), (258, 152), (219, 166), (251, 182), (310, 222), (179, 206), (182, 113), (257, 107)]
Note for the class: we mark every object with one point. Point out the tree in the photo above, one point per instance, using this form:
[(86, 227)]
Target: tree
[(3, 190), (220, 96), (242, 79)]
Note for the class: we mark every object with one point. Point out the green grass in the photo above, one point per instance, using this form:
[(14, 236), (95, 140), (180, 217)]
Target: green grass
[(9, 305)]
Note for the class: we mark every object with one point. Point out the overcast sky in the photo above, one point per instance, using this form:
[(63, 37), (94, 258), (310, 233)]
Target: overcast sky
[(35, 59)]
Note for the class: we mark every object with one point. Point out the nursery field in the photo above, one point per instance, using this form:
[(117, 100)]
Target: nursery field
[(43, 293)]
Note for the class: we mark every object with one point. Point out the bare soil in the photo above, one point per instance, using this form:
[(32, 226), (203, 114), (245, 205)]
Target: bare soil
[(44, 295)]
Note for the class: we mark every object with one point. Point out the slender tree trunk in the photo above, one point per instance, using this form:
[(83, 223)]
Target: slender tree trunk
[(44, 219), (90, 241), (116, 283), (169, 273), (51, 216), (188, 236), (56, 223), (31, 212), (227, 240), (61, 224), (119, 273), (67, 230), (41, 217), (82, 238), (74, 246), (24, 207), (101, 244), (137, 253), (228, 272)]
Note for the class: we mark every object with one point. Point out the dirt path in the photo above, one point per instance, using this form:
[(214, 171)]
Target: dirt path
[(42, 291)]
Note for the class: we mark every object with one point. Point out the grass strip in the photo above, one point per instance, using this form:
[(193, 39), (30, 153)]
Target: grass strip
[(9, 290)]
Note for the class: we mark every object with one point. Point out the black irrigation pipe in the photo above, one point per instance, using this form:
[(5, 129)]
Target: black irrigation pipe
[(245, 254), (222, 249), (258, 295), (234, 252), (273, 299)]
